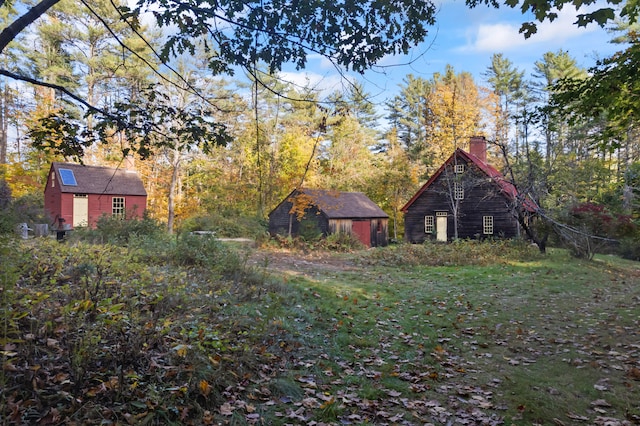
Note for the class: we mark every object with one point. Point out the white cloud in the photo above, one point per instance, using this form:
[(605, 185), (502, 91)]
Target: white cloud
[(505, 36), (324, 84)]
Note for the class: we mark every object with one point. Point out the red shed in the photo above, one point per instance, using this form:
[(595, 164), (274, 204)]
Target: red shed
[(80, 194)]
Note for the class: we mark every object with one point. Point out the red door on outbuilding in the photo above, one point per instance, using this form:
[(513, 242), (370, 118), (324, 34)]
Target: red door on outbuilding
[(362, 229)]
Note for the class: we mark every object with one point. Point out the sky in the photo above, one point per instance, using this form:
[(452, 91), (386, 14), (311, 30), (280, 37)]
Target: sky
[(467, 39)]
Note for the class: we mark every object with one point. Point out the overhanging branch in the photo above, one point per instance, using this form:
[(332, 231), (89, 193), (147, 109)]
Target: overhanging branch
[(62, 89), (11, 32)]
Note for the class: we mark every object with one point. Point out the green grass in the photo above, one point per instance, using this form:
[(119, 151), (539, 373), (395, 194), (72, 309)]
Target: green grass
[(468, 332)]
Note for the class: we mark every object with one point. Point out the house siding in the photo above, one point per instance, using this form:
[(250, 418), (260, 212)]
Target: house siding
[(481, 198)]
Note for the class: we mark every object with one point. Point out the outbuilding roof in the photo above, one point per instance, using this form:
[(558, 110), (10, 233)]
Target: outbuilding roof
[(341, 205), (82, 179)]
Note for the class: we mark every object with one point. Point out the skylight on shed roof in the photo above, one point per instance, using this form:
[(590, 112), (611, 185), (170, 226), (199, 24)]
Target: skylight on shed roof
[(67, 177)]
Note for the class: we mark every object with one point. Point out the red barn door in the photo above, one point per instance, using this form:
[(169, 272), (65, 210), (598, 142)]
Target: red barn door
[(362, 229)]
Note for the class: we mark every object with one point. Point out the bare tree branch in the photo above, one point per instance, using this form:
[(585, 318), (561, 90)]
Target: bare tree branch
[(56, 87)]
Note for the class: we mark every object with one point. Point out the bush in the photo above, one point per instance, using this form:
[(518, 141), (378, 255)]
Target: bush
[(206, 251), (27, 208), (8, 221), (230, 227), (343, 242), (630, 248), (308, 229), (122, 232), (458, 253), (5, 195), (600, 231)]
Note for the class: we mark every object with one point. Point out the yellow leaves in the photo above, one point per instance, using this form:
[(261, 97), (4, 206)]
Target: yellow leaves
[(204, 387), (84, 305), (301, 202), (181, 350), (328, 403), (439, 350)]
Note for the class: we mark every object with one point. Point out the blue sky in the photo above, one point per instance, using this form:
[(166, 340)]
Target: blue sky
[(466, 39)]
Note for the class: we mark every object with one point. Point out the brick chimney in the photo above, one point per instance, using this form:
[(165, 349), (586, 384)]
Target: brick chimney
[(478, 147)]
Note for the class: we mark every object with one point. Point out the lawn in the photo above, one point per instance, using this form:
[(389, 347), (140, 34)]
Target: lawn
[(467, 333)]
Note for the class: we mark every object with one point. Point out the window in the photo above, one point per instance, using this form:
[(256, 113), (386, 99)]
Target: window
[(459, 168), (428, 225), (458, 191), (117, 206), (487, 225), (67, 177)]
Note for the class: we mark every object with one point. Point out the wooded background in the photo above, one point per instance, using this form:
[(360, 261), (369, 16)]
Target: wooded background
[(569, 143)]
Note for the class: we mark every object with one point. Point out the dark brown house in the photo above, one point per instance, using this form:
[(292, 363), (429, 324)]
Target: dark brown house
[(317, 211), (465, 198), (77, 195)]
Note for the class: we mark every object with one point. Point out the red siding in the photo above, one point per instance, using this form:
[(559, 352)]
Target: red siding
[(59, 205), (66, 208), (99, 205), (52, 200)]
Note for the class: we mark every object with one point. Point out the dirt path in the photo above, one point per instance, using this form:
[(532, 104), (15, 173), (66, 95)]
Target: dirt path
[(298, 263)]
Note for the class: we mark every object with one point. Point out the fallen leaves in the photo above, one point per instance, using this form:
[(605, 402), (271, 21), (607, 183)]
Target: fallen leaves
[(425, 352)]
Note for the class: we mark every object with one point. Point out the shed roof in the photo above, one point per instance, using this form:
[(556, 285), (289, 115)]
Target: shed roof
[(507, 188), (341, 205), (97, 180)]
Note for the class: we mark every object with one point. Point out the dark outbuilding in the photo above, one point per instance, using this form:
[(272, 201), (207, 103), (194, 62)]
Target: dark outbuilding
[(318, 211)]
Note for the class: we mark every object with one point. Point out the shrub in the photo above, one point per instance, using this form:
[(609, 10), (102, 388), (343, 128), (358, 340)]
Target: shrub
[(5, 195), (343, 242), (27, 208), (225, 226), (122, 232), (206, 251), (630, 248), (601, 231), (458, 253)]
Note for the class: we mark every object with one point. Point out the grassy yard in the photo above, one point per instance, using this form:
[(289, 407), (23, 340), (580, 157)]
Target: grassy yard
[(460, 334)]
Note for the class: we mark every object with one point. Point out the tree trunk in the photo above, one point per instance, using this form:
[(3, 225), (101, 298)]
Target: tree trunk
[(172, 192), (4, 123)]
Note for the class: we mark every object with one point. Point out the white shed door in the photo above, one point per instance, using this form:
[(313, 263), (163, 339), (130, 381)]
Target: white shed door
[(80, 210)]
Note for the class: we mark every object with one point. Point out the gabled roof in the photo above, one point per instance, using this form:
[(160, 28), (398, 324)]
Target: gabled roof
[(96, 180), (506, 188), (341, 205)]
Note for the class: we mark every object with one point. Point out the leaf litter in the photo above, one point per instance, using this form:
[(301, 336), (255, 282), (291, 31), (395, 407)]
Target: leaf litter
[(432, 374)]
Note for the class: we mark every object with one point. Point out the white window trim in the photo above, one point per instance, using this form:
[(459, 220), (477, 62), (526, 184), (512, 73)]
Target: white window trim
[(429, 225), (115, 213), (458, 168), (458, 191), (487, 225)]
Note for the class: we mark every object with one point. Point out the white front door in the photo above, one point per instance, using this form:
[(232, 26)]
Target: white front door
[(441, 227), (80, 210)]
